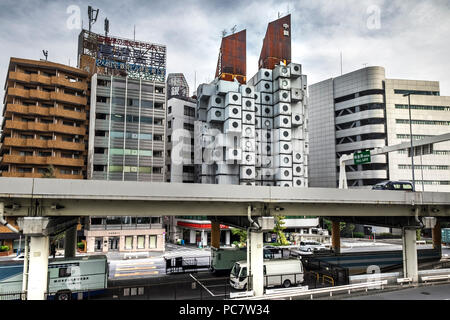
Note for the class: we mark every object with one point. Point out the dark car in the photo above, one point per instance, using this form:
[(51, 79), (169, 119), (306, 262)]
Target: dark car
[(394, 185)]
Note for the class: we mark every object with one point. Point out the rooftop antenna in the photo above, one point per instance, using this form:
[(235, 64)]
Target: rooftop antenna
[(106, 27), (45, 52), (341, 63), (224, 33), (134, 33), (93, 14), (365, 65), (233, 30)]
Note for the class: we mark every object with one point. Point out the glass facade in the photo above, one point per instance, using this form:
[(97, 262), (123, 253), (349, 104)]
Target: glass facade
[(130, 116)]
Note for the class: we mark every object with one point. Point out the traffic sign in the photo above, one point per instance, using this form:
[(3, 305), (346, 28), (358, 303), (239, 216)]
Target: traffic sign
[(362, 157)]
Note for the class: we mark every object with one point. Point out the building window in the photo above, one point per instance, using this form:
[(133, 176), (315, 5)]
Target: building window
[(417, 92), (169, 124), (188, 126), (426, 122), (157, 170), (169, 110), (129, 243), (189, 111), (152, 242), (169, 138), (98, 244), (141, 242)]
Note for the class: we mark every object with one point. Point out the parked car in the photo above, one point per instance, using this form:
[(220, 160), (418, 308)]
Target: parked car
[(394, 185), (310, 246)]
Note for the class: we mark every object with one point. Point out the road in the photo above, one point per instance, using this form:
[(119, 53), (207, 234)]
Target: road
[(435, 292), (156, 266)]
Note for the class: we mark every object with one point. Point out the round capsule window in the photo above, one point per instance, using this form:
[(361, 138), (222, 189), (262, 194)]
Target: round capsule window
[(286, 146), (298, 169), (284, 83), (267, 98), (267, 110), (286, 160), (235, 111), (248, 158), (218, 100), (268, 148), (248, 90), (297, 118), (298, 156), (285, 120), (248, 172), (268, 135), (285, 108), (286, 184), (248, 117), (235, 97), (267, 74), (285, 95), (248, 144), (235, 152), (267, 86), (286, 173), (299, 182), (296, 68), (248, 131), (285, 134), (284, 70), (248, 103), (218, 114), (267, 123), (235, 124)]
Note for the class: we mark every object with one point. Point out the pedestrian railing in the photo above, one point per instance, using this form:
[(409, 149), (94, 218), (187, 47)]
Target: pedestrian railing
[(315, 292)]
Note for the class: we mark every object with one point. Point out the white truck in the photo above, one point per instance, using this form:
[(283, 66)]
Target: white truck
[(278, 272)]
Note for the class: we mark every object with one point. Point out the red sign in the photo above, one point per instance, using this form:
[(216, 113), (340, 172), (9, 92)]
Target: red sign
[(198, 225)]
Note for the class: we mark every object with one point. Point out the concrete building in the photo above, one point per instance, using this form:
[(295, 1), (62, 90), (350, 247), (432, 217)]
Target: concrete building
[(363, 110), (127, 122), (44, 126), (180, 139), (44, 120)]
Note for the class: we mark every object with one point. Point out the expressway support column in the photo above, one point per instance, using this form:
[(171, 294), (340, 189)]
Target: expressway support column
[(336, 237), (257, 262), (38, 267), (70, 242), (437, 236), (37, 249), (215, 234), (410, 266)]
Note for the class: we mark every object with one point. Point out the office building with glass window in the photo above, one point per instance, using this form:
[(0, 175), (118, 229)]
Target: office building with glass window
[(364, 110), (126, 143)]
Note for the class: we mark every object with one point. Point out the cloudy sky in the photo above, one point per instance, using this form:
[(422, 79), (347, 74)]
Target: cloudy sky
[(409, 38)]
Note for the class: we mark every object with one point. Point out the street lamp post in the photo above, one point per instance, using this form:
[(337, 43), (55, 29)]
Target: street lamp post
[(411, 138)]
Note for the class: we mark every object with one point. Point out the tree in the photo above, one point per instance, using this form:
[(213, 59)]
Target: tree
[(50, 173), (328, 224), (242, 236), (279, 230)]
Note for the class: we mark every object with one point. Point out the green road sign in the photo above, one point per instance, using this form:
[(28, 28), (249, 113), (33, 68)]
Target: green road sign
[(362, 157)]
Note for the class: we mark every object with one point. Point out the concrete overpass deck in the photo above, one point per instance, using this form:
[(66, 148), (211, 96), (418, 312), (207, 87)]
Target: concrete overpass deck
[(61, 197)]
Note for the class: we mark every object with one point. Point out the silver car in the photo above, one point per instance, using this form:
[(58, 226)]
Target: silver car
[(310, 246)]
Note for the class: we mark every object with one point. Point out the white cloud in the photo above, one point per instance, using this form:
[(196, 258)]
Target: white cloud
[(412, 41)]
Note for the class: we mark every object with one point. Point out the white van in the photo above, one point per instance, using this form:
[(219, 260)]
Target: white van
[(281, 272)]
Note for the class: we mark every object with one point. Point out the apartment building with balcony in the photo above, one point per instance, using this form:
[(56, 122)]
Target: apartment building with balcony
[(44, 120), (363, 110)]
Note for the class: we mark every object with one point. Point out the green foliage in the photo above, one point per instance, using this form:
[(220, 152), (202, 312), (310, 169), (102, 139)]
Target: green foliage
[(358, 234), (279, 230), (80, 245), (50, 173), (242, 236), (418, 234), (329, 224), (4, 248)]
